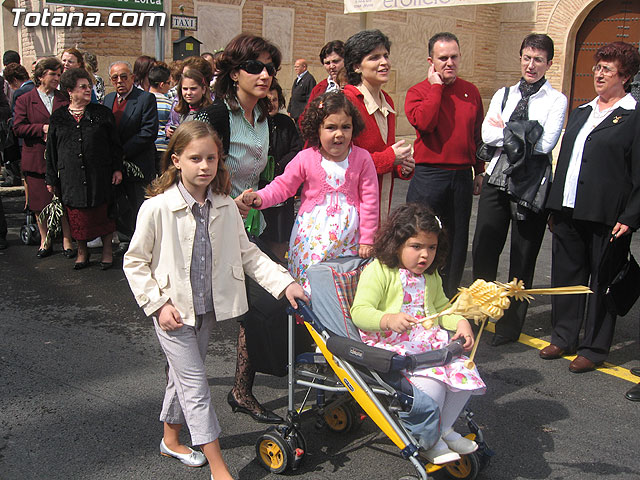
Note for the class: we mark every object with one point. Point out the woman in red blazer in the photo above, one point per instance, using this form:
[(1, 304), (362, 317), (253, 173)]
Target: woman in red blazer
[(368, 67), (31, 124)]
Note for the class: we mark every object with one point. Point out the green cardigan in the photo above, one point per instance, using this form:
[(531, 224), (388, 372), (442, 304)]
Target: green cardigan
[(380, 292)]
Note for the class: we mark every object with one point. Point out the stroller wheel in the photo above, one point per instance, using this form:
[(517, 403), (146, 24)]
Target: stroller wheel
[(29, 234), (274, 452), (341, 418), (466, 468)]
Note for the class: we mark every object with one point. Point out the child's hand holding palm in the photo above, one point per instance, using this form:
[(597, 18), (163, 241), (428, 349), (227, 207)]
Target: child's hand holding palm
[(397, 322)]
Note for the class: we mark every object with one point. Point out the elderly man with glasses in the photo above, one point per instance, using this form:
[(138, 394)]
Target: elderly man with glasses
[(137, 123)]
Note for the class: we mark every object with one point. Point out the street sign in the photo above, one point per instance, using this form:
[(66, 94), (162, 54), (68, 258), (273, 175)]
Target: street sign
[(184, 22), (135, 5)]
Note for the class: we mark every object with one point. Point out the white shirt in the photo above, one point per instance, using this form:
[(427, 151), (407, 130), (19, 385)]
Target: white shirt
[(547, 106), (575, 161)]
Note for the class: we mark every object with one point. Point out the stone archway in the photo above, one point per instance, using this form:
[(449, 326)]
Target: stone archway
[(563, 20)]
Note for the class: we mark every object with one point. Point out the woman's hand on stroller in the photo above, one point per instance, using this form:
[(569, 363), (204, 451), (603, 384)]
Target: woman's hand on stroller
[(464, 331), (295, 291), (365, 251), (398, 322)]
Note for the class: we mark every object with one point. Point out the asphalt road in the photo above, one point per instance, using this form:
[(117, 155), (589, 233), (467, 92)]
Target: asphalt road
[(81, 383)]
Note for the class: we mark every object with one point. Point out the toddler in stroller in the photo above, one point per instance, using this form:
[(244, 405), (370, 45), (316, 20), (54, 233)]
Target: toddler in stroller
[(398, 289)]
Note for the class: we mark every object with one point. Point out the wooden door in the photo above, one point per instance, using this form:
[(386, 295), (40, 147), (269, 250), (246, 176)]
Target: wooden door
[(610, 21)]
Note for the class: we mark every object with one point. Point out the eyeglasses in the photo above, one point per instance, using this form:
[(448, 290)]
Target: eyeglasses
[(608, 71), (254, 67), (123, 77), (84, 86)]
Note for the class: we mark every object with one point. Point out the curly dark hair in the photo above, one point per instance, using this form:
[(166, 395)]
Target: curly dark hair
[(407, 221), (320, 108), (334, 46), (359, 46), (242, 48), (69, 79), (625, 56), (49, 63)]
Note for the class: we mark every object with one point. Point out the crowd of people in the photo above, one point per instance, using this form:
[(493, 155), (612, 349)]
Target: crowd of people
[(193, 168)]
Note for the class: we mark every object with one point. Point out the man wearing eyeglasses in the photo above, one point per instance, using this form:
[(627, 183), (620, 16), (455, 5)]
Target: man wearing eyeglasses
[(301, 89), (137, 121), (515, 186)]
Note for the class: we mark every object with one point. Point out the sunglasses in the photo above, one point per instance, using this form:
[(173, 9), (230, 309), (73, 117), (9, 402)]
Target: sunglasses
[(254, 67), (123, 77)]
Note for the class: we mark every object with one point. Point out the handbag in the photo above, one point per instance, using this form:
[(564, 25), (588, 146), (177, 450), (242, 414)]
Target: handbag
[(485, 151), (623, 289)]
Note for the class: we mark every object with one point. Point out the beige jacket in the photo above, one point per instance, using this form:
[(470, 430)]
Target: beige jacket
[(158, 262)]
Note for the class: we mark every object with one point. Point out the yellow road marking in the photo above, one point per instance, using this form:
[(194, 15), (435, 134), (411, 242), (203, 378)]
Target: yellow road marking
[(608, 368)]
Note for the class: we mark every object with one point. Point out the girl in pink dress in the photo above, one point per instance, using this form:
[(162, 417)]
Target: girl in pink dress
[(338, 214), (395, 293)]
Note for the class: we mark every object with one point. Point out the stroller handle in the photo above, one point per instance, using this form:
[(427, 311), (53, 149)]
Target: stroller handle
[(305, 311)]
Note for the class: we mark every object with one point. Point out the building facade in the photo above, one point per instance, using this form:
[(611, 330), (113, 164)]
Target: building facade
[(490, 37)]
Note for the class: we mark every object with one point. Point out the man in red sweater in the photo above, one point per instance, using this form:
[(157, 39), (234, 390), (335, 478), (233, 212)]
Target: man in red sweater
[(447, 113)]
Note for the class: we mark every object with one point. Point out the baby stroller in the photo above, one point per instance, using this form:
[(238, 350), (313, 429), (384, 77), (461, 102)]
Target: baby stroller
[(370, 375)]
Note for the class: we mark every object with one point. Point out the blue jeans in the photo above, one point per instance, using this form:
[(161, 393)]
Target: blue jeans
[(423, 420)]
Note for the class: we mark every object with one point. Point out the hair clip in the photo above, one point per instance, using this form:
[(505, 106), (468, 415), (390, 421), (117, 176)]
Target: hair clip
[(320, 105), (439, 222)]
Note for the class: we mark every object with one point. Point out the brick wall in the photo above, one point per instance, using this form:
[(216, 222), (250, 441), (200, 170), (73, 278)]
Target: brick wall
[(490, 36)]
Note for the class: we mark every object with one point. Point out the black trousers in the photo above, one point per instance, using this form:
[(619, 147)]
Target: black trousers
[(134, 193), (492, 226), (578, 247), (449, 193)]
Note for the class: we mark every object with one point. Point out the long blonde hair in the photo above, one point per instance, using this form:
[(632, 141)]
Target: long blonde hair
[(181, 138)]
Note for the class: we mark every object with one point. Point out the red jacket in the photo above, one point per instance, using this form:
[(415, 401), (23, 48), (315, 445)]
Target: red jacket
[(29, 116), (448, 122), (318, 90)]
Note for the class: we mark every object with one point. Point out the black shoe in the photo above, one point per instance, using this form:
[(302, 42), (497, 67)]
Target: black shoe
[(43, 253), (501, 340), (81, 265), (106, 265), (3, 243), (265, 416), (633, 394), (635, 371), (69, 253)]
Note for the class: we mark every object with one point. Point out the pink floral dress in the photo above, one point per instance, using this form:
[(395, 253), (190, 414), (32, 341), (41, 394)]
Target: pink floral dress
[(329, 230), (420, 339)]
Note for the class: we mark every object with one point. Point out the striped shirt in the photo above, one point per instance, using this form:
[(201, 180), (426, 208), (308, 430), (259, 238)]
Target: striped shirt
[(248, 149), (164, 107), (201, 256)]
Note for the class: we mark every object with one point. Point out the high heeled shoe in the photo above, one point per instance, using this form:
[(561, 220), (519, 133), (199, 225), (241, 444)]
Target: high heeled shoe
[(265, 416)]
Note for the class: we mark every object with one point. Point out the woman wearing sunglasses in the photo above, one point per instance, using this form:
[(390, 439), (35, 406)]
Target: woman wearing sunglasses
[(240, 116)]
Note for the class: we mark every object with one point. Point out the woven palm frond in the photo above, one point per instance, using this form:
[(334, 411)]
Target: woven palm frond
[(484, 299), (132, 170), (51, 216)]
